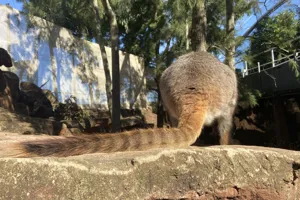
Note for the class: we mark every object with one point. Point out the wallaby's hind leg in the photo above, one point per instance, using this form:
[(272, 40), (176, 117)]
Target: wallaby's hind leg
[(224, 129), (225, 123)]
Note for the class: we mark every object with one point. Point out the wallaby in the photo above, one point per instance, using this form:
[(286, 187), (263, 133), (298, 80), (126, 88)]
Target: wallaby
[(197, 90)]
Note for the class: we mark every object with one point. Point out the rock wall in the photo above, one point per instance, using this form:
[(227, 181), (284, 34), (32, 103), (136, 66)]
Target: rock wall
[(217, 172), (44, 53)]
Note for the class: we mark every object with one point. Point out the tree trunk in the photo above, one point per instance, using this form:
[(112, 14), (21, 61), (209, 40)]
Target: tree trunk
[(114, 33), (99, 40), (160, 110), (187, 42), (199, 26), (54, 70), (230, 50)]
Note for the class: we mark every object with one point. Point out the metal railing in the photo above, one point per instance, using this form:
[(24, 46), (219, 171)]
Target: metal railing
[(270, 65)]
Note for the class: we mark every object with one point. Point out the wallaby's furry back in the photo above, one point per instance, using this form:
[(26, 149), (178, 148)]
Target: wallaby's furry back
[(197, 90)]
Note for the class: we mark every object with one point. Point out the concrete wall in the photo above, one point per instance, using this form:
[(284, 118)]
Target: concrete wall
[(45, 53)]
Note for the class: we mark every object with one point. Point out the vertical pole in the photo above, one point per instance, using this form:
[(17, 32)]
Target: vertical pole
[(273, 59), (258, 65), (246, 68)]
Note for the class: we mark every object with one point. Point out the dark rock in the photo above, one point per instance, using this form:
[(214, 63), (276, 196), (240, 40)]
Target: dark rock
[(17, 123), (40, 102), (42, 111), (22, 108), (93, 125), (9, 90), (5, 58), (130, 112)]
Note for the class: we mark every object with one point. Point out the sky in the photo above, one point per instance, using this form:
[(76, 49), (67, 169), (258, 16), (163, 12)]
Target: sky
[(248, 21), (12, 3)]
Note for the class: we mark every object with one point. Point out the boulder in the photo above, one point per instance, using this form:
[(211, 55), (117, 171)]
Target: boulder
[(5, 58), (94, 125), (28, 86), (39, 101), (18, 123), (9, 90), (22, 109), (217, 172), (50, 98)]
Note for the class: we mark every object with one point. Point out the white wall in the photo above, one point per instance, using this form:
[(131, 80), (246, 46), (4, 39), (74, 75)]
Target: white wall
[(45, 53)]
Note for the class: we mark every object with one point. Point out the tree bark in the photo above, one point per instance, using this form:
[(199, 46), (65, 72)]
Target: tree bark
[(187, 42), (230, 50), (160, 110), (54, 69), (114, 33), (99, 40), (199, 26)]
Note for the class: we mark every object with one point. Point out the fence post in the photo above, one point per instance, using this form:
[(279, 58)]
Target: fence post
[(246, 69), (273, 59), (258, 65)]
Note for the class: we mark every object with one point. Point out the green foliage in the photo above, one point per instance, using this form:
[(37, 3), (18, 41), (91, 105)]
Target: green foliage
[(243, 7), (295, 67), (70, 110), (247, 96), (277, 31), (154, 107), (75, 15), (217, 38)]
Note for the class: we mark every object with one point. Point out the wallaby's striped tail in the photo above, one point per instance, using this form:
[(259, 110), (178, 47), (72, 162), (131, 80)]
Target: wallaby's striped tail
[(142, 139), (85, 144)]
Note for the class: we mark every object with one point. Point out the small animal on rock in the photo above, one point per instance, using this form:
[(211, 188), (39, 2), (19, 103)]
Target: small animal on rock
[(197, 90)]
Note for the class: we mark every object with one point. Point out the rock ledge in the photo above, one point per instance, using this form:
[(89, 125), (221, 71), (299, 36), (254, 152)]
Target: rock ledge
[(217, 172)]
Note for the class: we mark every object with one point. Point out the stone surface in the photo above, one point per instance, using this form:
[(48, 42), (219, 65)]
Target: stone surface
[(216, 172), (17, 123)]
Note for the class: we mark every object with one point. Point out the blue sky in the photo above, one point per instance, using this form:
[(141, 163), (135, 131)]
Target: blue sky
[(12, 3), (248, 21)]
